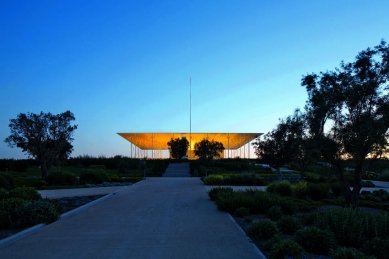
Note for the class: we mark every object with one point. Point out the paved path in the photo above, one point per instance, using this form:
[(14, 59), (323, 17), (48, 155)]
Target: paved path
[(61, 193), (156, 218), (177, 170)]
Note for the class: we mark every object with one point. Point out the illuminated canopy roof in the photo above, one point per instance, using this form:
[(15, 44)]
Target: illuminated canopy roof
[(158, 141)]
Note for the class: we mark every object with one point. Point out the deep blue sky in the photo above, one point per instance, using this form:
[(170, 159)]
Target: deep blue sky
[(124, 66)]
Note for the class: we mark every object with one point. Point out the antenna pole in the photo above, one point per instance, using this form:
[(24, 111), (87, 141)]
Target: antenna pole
[(190, 112)]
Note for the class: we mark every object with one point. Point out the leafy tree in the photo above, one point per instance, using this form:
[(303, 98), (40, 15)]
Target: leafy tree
[(178, 147), (207, 150), (348, 113), (284, 144), (44, 136)]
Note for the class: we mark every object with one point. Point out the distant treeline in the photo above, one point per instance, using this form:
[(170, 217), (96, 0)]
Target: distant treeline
[(116, 162)]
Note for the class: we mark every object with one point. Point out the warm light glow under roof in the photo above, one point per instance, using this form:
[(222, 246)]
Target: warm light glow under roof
[(158, 141)]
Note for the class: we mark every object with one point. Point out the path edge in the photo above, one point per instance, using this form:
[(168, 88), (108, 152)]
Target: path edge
[(31, 230)]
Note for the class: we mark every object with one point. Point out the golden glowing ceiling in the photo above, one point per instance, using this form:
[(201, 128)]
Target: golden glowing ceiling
[(158, 141)]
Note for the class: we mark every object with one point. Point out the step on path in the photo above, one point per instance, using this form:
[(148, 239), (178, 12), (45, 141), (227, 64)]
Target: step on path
[(177, 170)]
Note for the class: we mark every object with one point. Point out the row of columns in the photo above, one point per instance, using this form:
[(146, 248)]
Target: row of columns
[(136, 152)]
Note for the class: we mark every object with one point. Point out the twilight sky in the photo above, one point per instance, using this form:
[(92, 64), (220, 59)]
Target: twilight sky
[(124, 66)]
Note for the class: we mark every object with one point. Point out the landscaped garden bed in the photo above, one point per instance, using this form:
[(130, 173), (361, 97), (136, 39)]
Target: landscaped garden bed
[(304, 220), (23, 207)]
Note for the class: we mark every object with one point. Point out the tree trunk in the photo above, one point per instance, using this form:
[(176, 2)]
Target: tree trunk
[(347, 194), (44, 169), (357, 185)]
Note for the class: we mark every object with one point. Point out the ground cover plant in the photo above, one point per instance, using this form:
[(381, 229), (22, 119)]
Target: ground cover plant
[(24, 207), (295, 223)]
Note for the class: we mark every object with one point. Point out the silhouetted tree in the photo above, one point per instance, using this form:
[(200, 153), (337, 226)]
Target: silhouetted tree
[(44, 136), (206, 149), (178, 147), (284, 144), (348, 113)]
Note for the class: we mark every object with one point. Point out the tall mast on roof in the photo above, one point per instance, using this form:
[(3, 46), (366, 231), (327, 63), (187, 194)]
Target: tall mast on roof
[(190, 112)]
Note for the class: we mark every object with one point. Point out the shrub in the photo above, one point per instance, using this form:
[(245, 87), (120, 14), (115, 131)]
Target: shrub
[(8, 212), (214, 192), (242, 212), (213, 179), (283, 188), (25, 193), (317, 191), (6, 181), (286, 249), (347, 253), (248, 180), (61, 179), (93, 177), (352, 227), (315, 240), (288, 206), (274, 213), (263, 229), (288, 224), (35, 212), (300, 189), (377, 247), (3, 194), (16, 213), (384, 176), (336, 189)]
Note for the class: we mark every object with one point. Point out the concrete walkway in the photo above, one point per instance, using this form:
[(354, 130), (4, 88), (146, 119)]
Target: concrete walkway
[(61, 193), (177, 170), (155, 218)]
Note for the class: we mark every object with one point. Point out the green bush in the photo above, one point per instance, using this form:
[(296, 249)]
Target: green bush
[(213, 179), (283, 188), (93, 178), (336, 189), (377, 247), (3, 194), (61, 179), (300, 189), (9, 215), (347, 253), (256, 201), (353, 227), (17, 213), (317, 191), (286, 249), (35, 212), (6, 181), (214, 192), (25, 193), (247, 180), (263, 229), (315, 240), (242, 212), (384, 176), (288, 224), (274, 213)]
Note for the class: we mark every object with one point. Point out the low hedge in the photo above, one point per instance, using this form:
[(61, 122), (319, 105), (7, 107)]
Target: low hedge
[(17, 213), (286, 249), (93, 178), (61, 179), (234, 180), (24, 193), (263, 229), (283, 188), (315, 240)]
